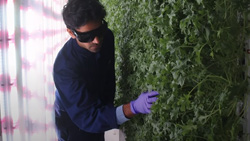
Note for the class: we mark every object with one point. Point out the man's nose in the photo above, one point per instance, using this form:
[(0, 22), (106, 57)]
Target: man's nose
[(96, 40)]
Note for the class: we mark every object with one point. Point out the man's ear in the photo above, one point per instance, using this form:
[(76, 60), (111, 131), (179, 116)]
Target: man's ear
[(71, 33)]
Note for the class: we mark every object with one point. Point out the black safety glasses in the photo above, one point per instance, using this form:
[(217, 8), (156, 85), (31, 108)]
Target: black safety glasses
[(89, 36)]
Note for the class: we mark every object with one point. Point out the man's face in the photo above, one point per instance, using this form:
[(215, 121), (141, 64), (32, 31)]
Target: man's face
[(91, 45)]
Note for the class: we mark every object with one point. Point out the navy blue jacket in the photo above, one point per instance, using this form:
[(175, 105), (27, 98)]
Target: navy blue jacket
[(85, 84)]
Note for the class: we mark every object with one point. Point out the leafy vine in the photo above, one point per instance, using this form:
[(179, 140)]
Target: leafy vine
[(189, 51)]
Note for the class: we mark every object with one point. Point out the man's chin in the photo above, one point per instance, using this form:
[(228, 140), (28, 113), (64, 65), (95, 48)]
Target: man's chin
[(95, 49)]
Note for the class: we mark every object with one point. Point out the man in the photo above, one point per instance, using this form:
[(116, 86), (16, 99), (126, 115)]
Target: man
[(84, 76)]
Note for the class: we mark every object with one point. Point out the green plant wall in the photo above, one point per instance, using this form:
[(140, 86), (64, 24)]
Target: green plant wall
[(191, 52)]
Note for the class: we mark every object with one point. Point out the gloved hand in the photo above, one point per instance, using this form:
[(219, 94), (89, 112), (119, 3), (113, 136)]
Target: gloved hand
[(144, 102)]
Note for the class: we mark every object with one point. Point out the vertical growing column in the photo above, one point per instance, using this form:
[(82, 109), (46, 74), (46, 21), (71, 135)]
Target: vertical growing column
[(246, 124)]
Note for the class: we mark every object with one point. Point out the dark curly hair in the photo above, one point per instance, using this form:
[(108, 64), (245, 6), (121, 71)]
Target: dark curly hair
[(77, 13)]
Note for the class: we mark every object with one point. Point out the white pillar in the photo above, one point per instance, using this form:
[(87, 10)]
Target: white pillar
[(114, 135)]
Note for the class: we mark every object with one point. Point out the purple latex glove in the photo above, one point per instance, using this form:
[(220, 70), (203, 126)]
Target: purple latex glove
[(144, 102)]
